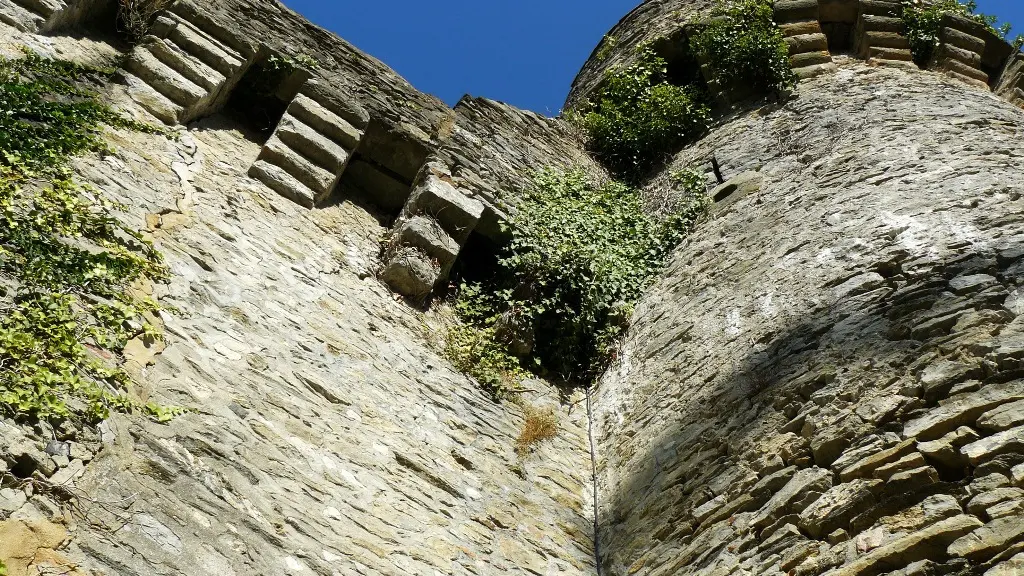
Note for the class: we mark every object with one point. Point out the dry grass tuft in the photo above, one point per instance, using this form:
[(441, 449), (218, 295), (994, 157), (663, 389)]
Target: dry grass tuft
[(540, 425), (135, 16)]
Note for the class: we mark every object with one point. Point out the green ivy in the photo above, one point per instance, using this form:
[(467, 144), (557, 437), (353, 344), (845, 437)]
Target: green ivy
[(743, 47), (67, 265), (639, 117), (922, 24), (581, 255)]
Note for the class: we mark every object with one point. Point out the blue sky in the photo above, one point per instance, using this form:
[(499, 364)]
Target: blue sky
[(523, 52)]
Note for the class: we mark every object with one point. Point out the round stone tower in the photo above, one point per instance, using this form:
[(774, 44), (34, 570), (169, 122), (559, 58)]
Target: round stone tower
[(829, 377)]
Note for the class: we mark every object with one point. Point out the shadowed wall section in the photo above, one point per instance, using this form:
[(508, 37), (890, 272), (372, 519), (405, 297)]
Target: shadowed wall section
[(823, 380)]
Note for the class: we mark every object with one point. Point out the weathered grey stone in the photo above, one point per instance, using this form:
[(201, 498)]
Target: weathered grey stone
[(838, 506), (868, 465), (1003, 418), (427, 235), (989, 539), (964, 410), (805, 486), (982, 502), (939, 378), (912, 480), (1011, 440), (926, 543), (946, 450), (911, 461), (1018, 475), (1012, 567), (411, 272), (433, 196)]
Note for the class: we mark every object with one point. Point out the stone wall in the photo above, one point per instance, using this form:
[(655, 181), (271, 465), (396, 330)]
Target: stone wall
[(494, 148), (814, 31), (827, 380), (329, 435)]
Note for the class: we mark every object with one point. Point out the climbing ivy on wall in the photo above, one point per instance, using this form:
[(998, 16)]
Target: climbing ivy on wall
[(741, 45), (67, 265), (582, 253), (922, 24), (638, 117)]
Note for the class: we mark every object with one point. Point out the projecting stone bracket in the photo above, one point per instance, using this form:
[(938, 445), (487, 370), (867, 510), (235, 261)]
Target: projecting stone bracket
[(429, 234), (969, 51), (182, 71), (1011, 84), (879, 35), (309, 151), (808, 46)]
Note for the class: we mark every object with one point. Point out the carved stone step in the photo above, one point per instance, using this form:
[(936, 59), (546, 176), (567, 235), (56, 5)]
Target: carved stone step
[(807, 43), (945, 60), (885, 40), (156, 103), (810, 59), (427, 234), (796, 10), (891, 55), (1018, 96), (202, 46), (962, 40), (434, 196), (872, 23), (1011, 83), (301, 168), (190, 67), (890, 8), (791, 29), (967, 57), (163, 78), (813, 70), (969, 79), (315, 115), (411, 272), (311, 144), (283, 183)]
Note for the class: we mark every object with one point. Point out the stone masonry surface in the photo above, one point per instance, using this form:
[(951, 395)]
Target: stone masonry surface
[(838, 398), (828, 379), (329, 437)]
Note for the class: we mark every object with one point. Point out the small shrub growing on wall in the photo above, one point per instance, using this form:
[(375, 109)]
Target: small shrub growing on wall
[(581, 254), (922, 24), (743, 47), (638, 117), (67, 265), (539, 425), (135, 16)]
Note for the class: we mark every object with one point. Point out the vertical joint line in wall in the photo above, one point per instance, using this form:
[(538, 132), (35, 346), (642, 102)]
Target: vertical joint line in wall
[(593, 479)]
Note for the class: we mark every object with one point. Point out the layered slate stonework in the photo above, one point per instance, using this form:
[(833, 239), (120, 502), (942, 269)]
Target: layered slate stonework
[(828, 378)]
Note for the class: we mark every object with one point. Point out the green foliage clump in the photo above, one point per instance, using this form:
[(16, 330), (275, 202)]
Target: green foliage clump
[(743, 47), (581, 255), (3, 568), (922, 24), (478, 352), (67, 265), (608, 44), (639, 117)]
